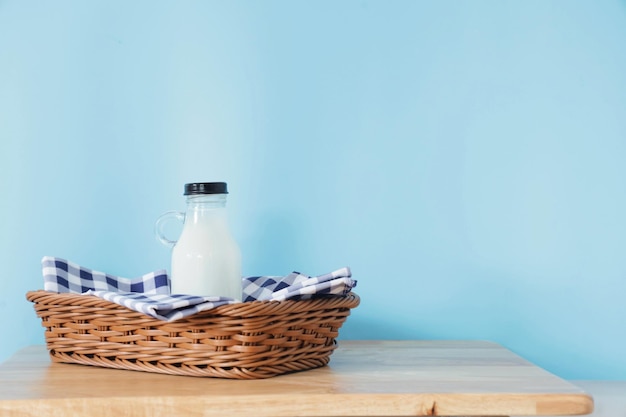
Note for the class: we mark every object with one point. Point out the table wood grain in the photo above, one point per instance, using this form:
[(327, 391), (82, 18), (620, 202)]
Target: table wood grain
[(364, 378)]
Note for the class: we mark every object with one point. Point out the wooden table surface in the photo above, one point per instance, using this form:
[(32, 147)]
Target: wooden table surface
[(364, 378)]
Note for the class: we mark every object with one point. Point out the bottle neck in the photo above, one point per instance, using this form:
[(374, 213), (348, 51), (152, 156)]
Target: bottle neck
[(206, 201), (206, 207)]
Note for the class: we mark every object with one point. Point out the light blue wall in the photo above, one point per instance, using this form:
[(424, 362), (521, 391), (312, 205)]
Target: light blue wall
[(466, 159)]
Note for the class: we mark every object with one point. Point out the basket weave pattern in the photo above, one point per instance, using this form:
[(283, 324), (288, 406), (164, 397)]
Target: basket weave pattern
[(253, 340)]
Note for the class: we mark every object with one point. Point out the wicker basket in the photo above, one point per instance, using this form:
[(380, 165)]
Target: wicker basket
[(253, 340)]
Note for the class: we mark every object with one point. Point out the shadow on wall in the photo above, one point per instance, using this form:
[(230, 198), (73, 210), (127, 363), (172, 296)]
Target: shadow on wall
[(360, 327), (276, 245)]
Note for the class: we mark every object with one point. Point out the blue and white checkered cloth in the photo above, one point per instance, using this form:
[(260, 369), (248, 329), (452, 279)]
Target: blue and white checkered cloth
[(150, 293)]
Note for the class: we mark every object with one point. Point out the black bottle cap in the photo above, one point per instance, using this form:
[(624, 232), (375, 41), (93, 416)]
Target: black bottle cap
[(206, 188)]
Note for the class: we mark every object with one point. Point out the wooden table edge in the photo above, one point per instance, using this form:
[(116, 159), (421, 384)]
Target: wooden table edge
[(576, 402)]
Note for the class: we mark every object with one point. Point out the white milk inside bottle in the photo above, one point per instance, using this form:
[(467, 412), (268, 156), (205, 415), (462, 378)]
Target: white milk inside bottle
[(206, 260)]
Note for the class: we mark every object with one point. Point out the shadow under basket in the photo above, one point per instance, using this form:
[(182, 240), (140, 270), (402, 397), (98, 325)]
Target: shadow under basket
[(251, 340)]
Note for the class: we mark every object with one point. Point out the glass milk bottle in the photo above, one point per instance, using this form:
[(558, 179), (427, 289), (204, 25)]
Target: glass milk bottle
[(206, 260)]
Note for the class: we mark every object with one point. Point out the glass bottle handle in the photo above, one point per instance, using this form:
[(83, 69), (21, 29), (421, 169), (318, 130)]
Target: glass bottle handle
[(160, 223)]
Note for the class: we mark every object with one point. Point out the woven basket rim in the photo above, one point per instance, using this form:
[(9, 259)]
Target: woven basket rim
[(243, 309)]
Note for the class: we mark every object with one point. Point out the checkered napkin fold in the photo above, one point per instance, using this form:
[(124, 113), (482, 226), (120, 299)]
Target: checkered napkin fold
[(150, 293)]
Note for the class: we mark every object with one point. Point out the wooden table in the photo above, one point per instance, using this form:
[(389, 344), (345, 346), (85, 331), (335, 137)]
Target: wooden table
[(364, 378)]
